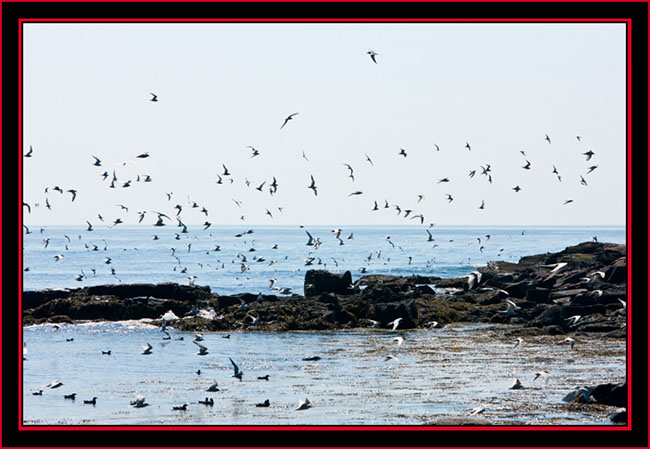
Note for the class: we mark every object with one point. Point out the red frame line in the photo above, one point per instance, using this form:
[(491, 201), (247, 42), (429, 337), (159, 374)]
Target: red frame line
[(627, 21)]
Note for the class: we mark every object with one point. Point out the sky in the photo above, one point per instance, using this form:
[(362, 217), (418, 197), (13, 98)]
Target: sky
[(501, 88)]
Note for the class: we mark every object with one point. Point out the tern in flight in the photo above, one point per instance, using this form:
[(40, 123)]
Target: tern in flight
[(395, 323), (369, 160), (29, 153), (548, 139), (402, 152), (97, 163), (238, 373), (154, 96), (372, 55), (589, 154), (147, 349), (288, 118), (313, 185)]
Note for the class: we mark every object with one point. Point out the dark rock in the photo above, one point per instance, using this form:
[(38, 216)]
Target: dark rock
[(611, 394), (583, 299), (567, 293), (539, 295), (519, 289), (387, 312), (617, 272), (321, 281), (35, 298)]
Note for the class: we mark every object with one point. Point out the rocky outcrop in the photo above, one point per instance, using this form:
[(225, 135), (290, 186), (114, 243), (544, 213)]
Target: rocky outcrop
[(580, 289)]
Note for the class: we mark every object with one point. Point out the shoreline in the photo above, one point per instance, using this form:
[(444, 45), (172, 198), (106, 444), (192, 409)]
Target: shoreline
[(588, 280)]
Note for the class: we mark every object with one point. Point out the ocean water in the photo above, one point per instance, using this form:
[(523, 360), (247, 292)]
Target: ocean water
[(434, 373), (136, 257)]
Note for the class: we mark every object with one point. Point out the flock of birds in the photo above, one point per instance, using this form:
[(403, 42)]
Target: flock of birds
[(177, 210), (397, 338), (175, 216)]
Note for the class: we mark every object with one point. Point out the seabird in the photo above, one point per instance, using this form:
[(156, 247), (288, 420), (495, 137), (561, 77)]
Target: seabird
[(54, 384), (583, 181), (589, 154), (467, 145), (288, 118), (402, 152), (213, 387), (518, 342), (304, 405), (542, 374), (143, 155), (207, 401), (569, 340), (527, 166), (202, 349), (147, 349), (592, 168), (548, 139), (450, 198), (266, 403), (29, 153), (313, 185), (516, 385), (372, 55), (238, 374), (154, 97), (516, 188), (395, 323), (369, 160), (182, 407), (575, 319), (93, 401), (139, 402), (443, 180), (69, 396)]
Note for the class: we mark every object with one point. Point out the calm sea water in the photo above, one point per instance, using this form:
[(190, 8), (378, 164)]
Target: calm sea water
[(434, 373), (137, 258)]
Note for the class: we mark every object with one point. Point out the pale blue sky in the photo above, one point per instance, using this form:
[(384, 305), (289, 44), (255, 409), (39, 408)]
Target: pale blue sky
[(222, 87)]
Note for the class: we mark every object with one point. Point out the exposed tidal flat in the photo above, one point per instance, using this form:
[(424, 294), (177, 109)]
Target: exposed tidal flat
[(456, 348)]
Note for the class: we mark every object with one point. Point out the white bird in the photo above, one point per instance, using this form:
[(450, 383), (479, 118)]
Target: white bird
[(516, 385), (624, 304), (304, 405), (512, 307), (254, 320), (399, 340), (542, 374), (476, 410), (569, 340), (54, 384), (147, 349), (391, 357), (518, 342), (238, 374), (395, 323), (202, 349), (139, 402), (557, 267), (375, 324), (198, 337), (575, 319)]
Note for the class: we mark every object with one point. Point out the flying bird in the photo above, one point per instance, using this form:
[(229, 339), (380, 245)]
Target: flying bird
[(238, 373), (589, 154), (97, 163), (29, 153), (154, 97), (402, 152), (288, 118), (313, 185), (372, 55)]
